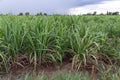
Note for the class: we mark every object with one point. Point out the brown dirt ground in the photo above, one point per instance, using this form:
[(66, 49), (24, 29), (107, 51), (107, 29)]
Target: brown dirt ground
[(22, 66)]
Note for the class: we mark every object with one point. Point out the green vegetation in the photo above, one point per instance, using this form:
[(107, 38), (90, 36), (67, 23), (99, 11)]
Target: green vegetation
[(66, 76), (58, 76), (86, 40)]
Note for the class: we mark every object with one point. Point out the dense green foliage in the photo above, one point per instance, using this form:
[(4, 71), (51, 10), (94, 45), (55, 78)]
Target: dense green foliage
[(86, 39)]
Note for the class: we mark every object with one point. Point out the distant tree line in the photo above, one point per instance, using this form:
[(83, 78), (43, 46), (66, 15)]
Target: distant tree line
[(108, 13), (27, 14), (22, 14), (40, 14), (94, 13), (113, 13)]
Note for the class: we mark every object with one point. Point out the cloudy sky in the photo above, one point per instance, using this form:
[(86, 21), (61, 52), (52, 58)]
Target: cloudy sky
[(59, 6)]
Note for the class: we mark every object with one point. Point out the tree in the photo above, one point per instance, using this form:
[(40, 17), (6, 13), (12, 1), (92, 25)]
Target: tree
[(45, 14), (27, 13), (39, 14), (94, 13), (115, 13), (20, 14), (109, 13)]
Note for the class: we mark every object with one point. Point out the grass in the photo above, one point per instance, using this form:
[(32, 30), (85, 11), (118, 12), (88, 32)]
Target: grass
[(67, 76), (86, 40), (58, 76)]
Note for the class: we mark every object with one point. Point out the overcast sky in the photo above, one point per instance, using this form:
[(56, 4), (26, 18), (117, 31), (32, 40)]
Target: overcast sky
[(59, 6)]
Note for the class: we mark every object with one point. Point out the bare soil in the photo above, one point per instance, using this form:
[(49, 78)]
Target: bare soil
[(22, 65)]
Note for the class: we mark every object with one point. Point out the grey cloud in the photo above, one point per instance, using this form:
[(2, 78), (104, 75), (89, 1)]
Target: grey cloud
[(87, 2)]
